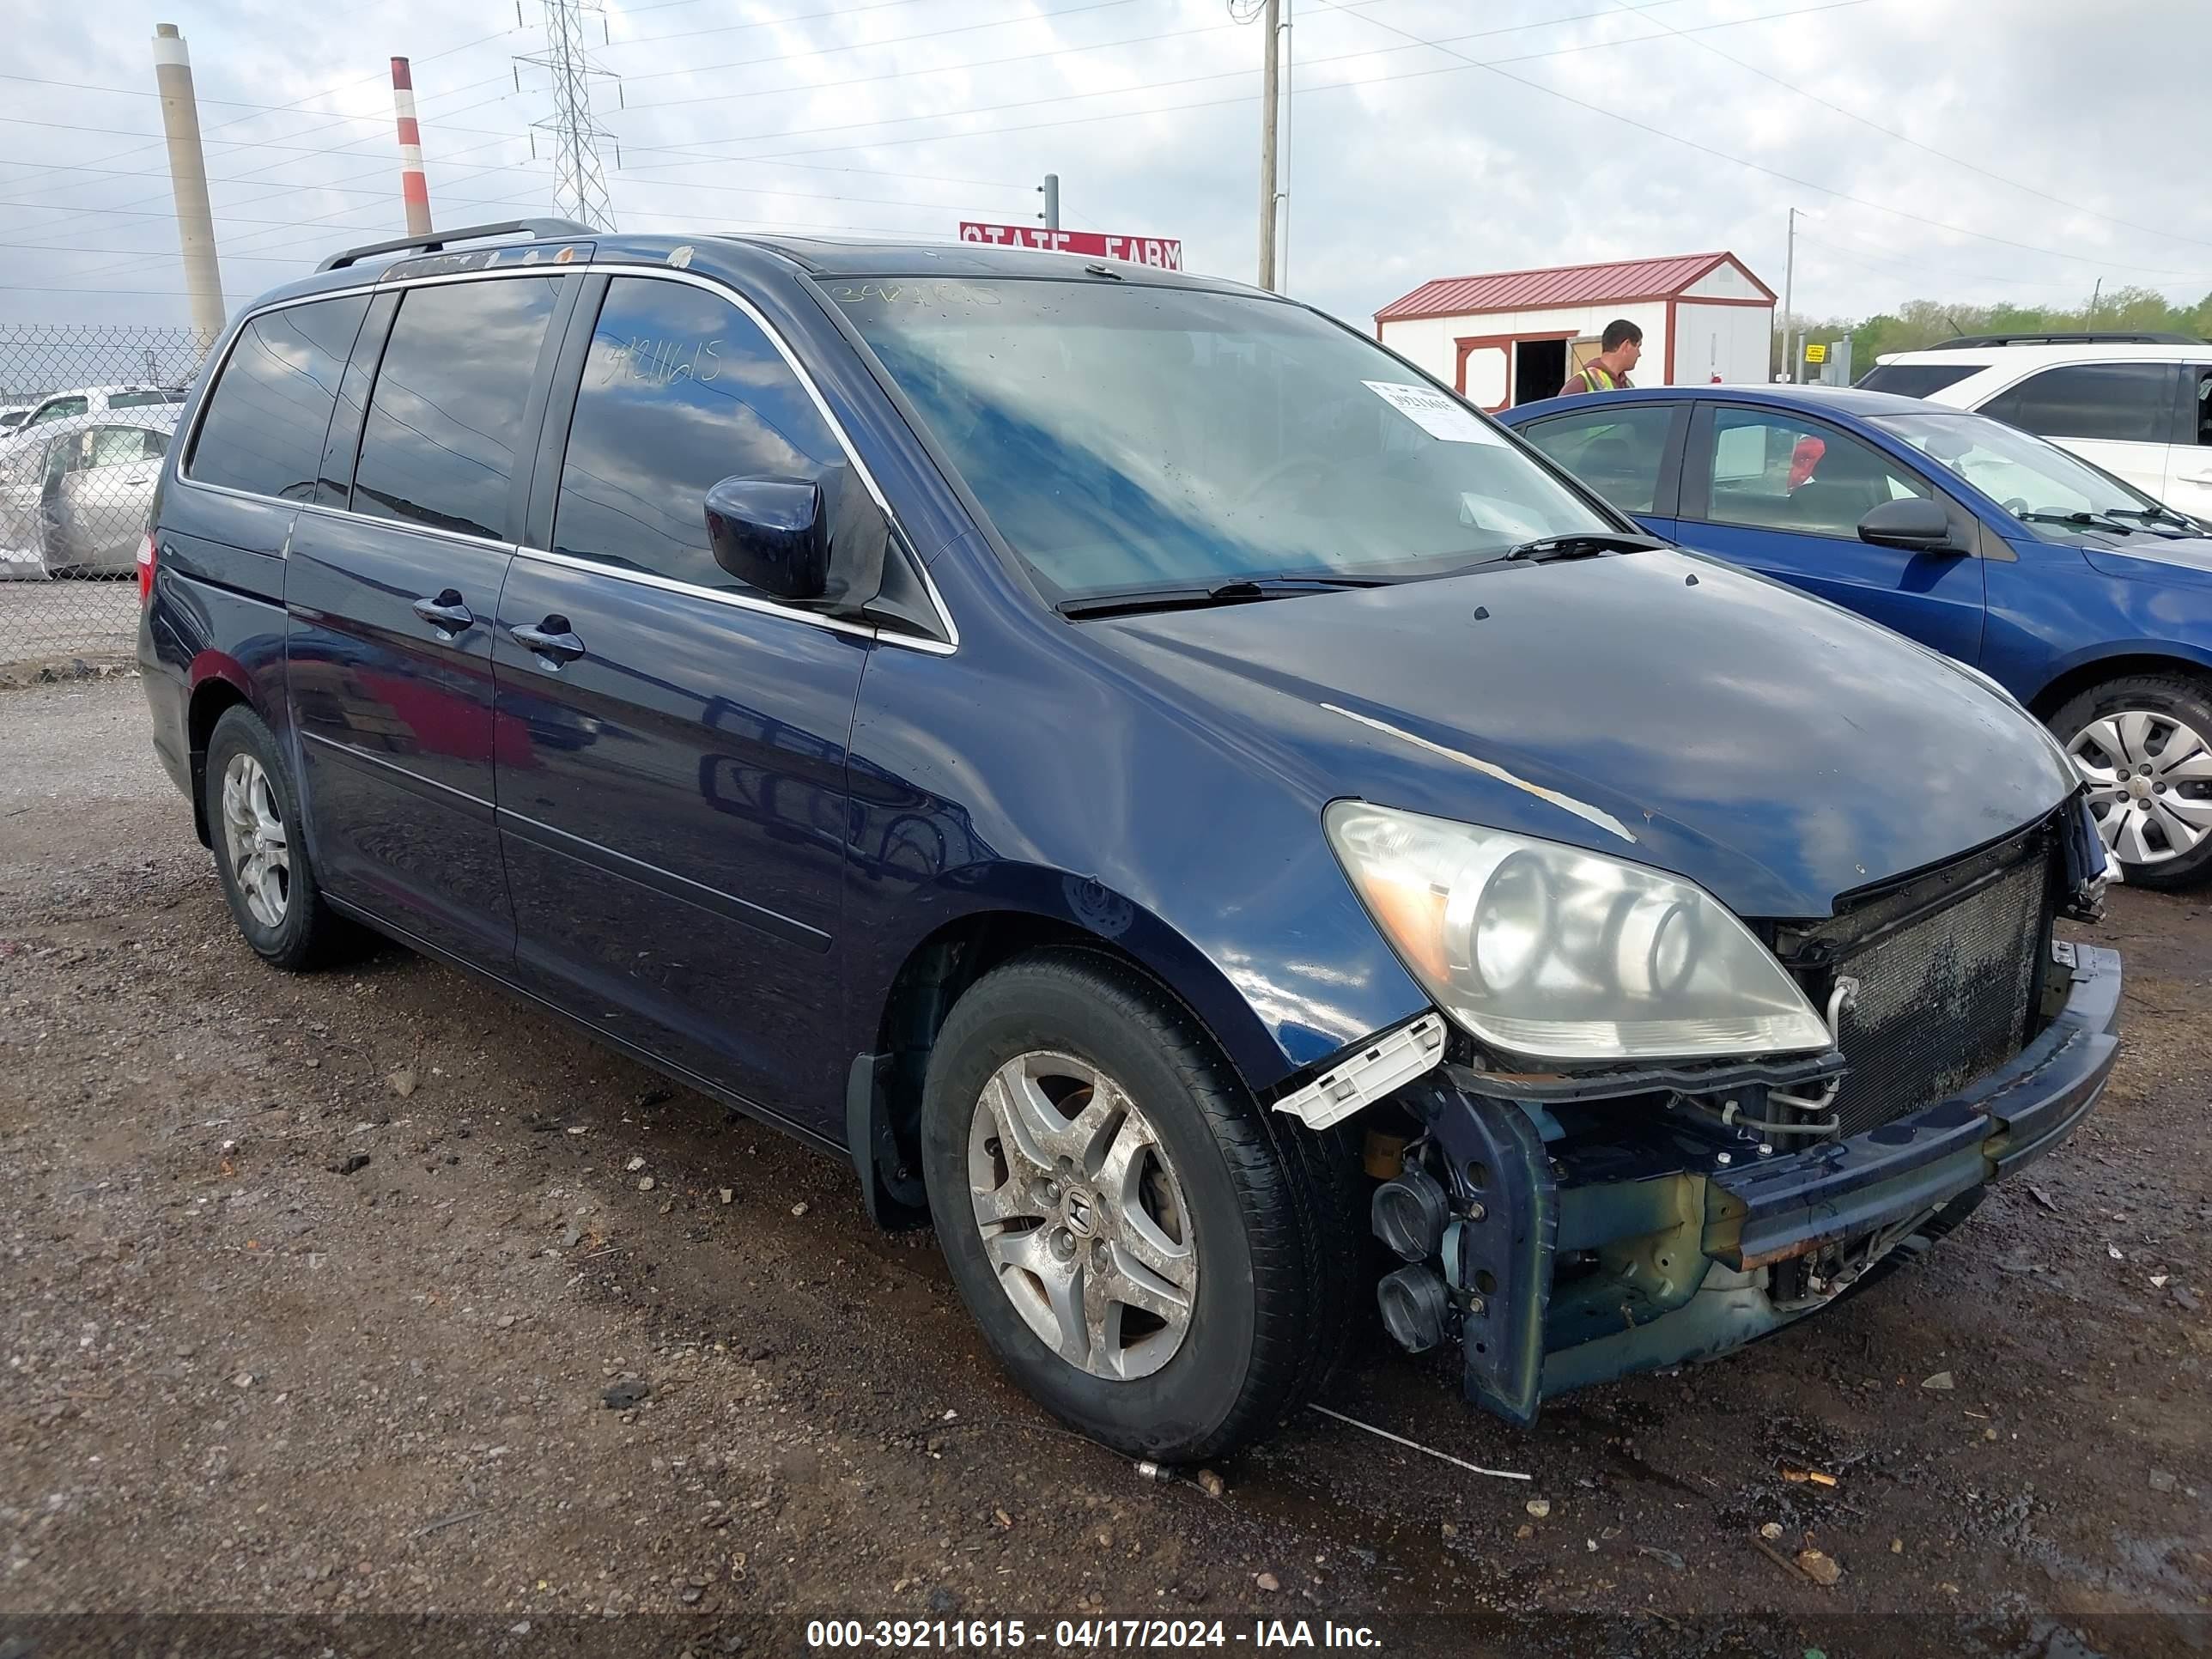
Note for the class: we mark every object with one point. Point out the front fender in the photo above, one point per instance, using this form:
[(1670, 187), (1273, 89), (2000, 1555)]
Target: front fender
[(2136, 652), (1276, 1008)]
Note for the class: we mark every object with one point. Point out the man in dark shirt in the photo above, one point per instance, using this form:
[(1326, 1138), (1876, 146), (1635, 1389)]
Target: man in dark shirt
[(1619, 348)]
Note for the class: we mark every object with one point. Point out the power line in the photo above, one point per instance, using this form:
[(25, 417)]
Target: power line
[(859, 45), (343, 86), (236, 178), (1003, 131), (277, 188), (136, 252), (1742, 161), (787, 158), (1902, 138), (969, 66), (1183, 81), (1917, 267)]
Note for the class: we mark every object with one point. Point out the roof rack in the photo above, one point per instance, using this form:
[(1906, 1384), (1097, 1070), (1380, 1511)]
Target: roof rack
[(559, 229), (2073, 336)]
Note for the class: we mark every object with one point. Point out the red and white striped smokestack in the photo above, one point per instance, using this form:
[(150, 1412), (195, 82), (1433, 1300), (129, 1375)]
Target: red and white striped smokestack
[(414, 188)]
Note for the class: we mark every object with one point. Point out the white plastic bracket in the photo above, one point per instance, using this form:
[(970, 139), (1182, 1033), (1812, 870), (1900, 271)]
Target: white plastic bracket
[(1375, 1068)]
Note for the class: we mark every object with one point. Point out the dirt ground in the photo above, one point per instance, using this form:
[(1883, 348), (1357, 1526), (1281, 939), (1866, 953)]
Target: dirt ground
[(314, 1289)]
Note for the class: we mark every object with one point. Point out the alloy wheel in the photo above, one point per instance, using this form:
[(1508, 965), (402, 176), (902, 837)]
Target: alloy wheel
[(2150, 784), (254, 839), (1082, 1217)]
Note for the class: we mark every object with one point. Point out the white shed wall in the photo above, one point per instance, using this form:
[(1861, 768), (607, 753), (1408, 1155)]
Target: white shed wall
[(1730, 341), (1428, 342), (1723, 282)]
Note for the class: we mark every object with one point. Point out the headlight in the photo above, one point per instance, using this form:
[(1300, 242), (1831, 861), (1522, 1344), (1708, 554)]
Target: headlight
[(1547, 951)]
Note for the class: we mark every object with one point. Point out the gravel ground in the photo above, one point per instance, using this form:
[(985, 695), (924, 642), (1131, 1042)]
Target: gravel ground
[(42, 620), (317, 1291)]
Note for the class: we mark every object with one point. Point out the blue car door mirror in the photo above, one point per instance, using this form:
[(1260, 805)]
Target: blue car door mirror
[(813, 541), (1911, 522)]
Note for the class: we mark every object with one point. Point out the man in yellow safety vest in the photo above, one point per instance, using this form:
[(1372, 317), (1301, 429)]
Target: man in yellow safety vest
[(1619, 348)]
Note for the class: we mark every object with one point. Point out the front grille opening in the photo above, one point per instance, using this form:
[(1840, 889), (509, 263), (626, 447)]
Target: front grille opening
[(1950, 972)]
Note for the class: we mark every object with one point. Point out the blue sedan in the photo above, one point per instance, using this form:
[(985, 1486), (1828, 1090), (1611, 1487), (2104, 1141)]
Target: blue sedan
[(2086, 599)]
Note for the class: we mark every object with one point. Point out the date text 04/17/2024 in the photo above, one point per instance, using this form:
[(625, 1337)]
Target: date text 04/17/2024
[(1085, 1635)]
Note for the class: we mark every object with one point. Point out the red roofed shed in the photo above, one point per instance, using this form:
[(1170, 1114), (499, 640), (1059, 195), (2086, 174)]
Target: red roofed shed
[(1513, 336)]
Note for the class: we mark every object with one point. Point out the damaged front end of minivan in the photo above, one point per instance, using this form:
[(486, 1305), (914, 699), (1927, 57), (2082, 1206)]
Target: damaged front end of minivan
[(1570, 1223)]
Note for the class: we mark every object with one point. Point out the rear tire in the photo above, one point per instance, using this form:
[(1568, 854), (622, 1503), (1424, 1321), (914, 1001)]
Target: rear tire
[(2143, 744), (1192, 1275), (253, 818)]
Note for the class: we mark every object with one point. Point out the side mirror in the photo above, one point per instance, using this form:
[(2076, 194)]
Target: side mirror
[(1911, 522), (813, 541)]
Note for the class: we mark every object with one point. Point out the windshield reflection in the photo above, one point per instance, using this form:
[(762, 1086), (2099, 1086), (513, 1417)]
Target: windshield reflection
[(1123, 438), (2035, 482)]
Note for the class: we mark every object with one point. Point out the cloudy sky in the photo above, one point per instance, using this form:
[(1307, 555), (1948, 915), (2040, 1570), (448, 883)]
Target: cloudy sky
[(1970, 149)]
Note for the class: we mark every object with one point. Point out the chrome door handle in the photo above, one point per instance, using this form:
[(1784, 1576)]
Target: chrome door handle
[(446, 614), (551, 641)]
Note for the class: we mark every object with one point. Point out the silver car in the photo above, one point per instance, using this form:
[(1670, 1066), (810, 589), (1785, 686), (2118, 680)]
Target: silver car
[(75, 494)]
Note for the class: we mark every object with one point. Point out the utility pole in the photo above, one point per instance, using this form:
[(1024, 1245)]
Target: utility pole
[(1051, 201), (1271, 27), (1789, 296), (2095, 294), (414, 185), (579, 183), (188, 184)]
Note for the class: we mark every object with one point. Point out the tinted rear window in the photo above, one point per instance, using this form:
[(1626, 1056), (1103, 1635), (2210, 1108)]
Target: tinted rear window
[(445, 417), (144, 399), (2115, 403), (1616, 450), (1914, 380), (263, 429)]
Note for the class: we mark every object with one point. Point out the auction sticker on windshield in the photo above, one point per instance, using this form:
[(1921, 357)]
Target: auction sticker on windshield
[(1434, 413)]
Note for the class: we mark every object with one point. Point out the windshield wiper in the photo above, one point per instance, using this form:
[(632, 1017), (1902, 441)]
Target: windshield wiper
[(1241, 590), (2081, 521), (1581, 544), (2181, 521)]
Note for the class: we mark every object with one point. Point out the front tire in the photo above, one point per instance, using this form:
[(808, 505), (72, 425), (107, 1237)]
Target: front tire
[(2143, 742), (1162, 1264), (268, 879)]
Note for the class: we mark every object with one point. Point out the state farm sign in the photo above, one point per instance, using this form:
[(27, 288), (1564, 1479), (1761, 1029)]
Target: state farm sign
[(1165, 252)]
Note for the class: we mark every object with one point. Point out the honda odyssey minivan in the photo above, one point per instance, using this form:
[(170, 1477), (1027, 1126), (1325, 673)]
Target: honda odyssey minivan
[(1184, 804)]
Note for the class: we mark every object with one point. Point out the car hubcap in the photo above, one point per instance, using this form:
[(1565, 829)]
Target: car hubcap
[(2150, 784), (1082, 1217), (253, 836)]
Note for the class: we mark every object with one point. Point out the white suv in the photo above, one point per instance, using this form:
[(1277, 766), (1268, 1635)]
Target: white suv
[(2139, 405), (98, 400)]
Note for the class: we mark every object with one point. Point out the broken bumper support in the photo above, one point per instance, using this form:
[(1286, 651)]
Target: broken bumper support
[(1683, 1251)]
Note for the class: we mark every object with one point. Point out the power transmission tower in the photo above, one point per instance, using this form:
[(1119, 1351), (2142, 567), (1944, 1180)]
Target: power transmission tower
[(579, 183)]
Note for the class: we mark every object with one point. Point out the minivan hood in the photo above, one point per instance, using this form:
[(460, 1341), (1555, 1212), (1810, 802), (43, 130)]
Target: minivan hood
[(1658, 706)]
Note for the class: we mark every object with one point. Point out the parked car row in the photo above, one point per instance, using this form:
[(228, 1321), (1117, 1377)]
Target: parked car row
[(1179, 800), (2086, 598), (75, 492)]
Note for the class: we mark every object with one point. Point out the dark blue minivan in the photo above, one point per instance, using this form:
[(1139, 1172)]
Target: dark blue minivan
[(1184, 804)]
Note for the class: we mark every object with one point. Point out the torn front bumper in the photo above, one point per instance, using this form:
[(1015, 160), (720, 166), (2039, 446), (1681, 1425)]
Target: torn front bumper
[(1572, 1263)]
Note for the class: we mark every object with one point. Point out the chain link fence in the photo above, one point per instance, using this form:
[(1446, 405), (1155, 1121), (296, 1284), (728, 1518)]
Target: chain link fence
[(86, 413)]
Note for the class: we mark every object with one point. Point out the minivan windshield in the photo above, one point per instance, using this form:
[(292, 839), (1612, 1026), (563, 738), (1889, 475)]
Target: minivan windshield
[(1126, 438), (2037, 482)]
